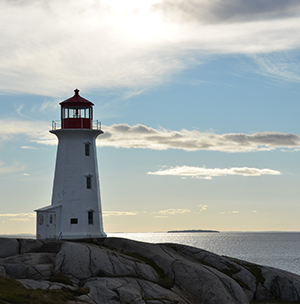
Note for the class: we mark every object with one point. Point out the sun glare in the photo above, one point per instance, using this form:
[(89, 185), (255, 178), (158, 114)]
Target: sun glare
[(137, 19)]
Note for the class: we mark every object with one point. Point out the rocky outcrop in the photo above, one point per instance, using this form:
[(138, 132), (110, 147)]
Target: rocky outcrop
[(131, 290), (10, 247), (98, 261), (117, 270)]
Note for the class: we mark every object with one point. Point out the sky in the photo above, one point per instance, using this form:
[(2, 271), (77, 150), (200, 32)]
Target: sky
[(198, 101)]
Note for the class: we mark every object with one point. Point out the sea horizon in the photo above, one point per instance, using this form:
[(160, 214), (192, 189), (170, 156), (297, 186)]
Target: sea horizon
[(22, 235)]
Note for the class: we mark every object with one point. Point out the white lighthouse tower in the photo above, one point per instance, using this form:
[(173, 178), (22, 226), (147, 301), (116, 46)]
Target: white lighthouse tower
[(75, 211)]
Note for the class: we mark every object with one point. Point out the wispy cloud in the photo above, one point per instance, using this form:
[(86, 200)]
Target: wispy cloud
[(158, 214), (119, 213), (28, 147), (49, 104), (20, 127), (17, 217), (28, 214), (278, 65), (137, 43), (202, 208), (206, 173), (37, 131), (173, 211), (22, 220), (15, 167)]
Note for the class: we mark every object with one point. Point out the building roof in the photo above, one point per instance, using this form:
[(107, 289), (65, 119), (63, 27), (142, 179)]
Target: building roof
[(48, 208), (76, 100)]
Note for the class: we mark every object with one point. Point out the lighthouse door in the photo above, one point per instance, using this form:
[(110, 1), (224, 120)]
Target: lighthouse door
[(51, 226)]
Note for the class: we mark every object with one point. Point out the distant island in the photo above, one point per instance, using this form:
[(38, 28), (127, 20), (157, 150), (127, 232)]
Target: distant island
[(193, 231)]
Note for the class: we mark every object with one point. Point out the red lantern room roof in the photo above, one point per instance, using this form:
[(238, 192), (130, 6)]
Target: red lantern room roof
[(76, 100)]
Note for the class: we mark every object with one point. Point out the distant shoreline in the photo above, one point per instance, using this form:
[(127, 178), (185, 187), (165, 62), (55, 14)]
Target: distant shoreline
[(193, 231)]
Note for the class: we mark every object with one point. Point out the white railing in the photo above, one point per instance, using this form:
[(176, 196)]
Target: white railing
[(56, 124), (95, 124)]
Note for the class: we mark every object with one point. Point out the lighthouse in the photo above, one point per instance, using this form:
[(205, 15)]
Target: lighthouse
[(75, 210)]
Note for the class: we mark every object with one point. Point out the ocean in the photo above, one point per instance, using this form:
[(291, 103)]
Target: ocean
[(276, 249)]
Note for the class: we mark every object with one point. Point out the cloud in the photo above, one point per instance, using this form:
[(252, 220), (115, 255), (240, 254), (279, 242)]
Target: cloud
[(227, 11), (234, 212), (10, 127), (37, 131), (173, 211), (159, 214), (134, 44), (144, 137), (202, 208), (28, 214), (23, 220), (280, 66), (119, 213), (99, 44), (141, 136), (15, 167), (28, 147), (206, 173), (17, 217)]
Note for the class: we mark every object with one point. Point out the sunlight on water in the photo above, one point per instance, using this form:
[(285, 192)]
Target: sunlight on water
[(280, 250)]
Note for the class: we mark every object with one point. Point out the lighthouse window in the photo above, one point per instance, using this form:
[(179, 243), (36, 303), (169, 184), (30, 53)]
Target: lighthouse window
[(87, 113), (87, 149), (65, 112), (91, 218), (75, 113), (74, 220), (88, 182)]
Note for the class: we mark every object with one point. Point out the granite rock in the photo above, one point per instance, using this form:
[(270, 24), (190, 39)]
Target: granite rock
[(38, 266), (29, 245), (130, 290), (2, 271), (199, 283), (8, 247), (117, 270), (34, 284), (80, 261)]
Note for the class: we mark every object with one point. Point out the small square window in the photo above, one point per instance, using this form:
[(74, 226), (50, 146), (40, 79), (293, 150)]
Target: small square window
[(87, 149), (89, 182), (74, 221)]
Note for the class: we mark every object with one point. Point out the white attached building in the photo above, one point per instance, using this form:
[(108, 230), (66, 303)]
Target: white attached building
[(75, 211)]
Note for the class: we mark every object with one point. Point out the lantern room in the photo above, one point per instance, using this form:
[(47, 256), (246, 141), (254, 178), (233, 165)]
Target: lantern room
[(76, 112)]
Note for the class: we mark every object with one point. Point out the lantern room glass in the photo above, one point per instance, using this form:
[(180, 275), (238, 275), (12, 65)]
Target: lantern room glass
[(76, 112)]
